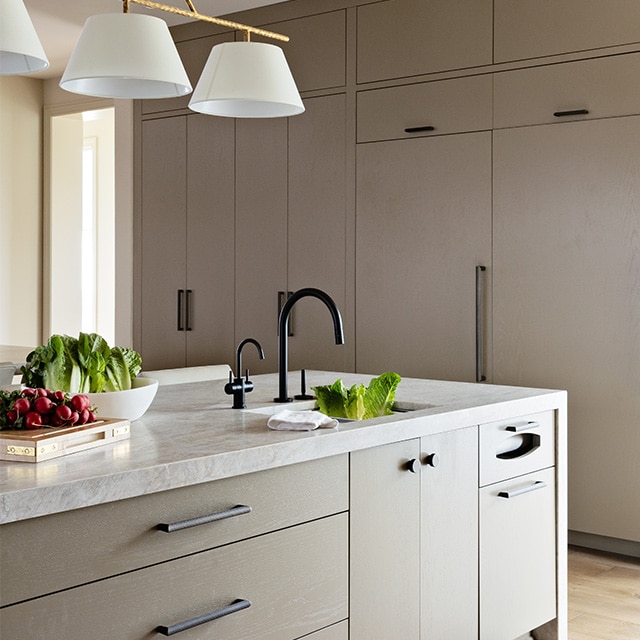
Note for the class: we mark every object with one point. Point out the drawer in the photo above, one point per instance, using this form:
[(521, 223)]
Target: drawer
[(510, 448), (63, 550), (517, 555), (338, 631), (296, 581), (603, 87), (445, 106)]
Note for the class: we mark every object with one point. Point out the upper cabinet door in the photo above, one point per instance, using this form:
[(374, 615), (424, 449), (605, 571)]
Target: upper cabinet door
[(402, 38), (536, 28)]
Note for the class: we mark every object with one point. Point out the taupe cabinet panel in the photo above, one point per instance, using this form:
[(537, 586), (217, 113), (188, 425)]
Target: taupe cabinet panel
[(535, 28), (423, 222), (567, 298), (401, 38), (187, 241)]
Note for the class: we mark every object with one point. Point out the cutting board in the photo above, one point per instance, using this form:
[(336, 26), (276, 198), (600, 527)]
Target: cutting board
[(38, 445)]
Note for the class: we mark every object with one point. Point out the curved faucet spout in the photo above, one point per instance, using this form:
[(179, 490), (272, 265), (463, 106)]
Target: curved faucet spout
[(239, 354), (283, 332)]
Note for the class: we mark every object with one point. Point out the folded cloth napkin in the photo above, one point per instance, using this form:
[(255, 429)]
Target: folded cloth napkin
[(287, 420)]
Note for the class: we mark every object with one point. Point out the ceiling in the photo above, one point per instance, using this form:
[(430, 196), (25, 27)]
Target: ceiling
[(59, 22)]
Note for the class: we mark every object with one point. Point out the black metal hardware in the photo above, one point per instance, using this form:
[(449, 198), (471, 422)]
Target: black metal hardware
[(419, 129), (238, 386), (303, 395), (412, 465), (538, 484), (234, 607), (232, 512), (432, 460), (571, 112), (480, 377), (283, 296), (516, 428), (188, 309), (527, 442), (180, 306)]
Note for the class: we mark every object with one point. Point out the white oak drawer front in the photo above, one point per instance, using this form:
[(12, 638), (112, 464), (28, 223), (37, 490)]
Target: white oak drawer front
[(510, 448), (279, 586), (587, 89), (63, 550), (429, 108), (517, 555)]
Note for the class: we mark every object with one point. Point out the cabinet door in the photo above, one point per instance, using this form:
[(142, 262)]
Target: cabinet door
[(261, 235), (385, 543), (423, 221), (317, 251), (163, 241), (401, 38), (567, 298), (536, 28), (517, 555), (210, 233), (449, 515)]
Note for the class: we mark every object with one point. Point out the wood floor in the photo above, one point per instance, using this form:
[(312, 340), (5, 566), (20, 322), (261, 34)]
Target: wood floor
[(604, 596)]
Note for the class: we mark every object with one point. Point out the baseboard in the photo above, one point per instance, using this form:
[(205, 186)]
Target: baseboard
[(604, 543)]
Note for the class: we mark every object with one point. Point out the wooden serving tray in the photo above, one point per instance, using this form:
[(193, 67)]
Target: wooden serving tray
[(38, 445)]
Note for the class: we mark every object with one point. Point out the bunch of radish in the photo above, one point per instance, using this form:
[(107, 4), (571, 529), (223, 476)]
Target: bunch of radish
[(36, 408)]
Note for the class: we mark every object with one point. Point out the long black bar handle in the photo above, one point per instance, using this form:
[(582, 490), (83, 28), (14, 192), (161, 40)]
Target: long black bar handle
[(419, 129), (234, 607), (188, 309), (238, 510), (571, 112), (282, 298), (480, 377), (180, 309)]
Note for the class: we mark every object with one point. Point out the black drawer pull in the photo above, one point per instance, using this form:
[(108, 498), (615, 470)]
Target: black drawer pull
[(180, 307), (238, 510), (187, 307), (516, 428), (571, 112), (538, 484), (418, 129), (234, 607)]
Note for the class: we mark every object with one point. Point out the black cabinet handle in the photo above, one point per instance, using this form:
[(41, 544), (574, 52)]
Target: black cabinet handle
[(412, 465), (480, 377), (187, 309), (180, 307), (238, 510), (538, 484), (419, 129), (516, 428), (432, 460), (234, 607), (571, 112)]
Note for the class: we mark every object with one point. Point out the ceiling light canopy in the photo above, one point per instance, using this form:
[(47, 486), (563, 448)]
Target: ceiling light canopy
[(133, 56), (20, 49)]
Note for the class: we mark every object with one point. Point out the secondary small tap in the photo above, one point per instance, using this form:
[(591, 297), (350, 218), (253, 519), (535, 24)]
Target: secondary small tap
[(283, 333), (238, 386)]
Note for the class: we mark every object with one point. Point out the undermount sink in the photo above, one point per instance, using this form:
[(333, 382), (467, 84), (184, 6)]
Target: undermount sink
[(398, 407)]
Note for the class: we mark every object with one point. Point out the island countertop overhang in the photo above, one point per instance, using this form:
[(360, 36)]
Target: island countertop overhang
[(191, 435)]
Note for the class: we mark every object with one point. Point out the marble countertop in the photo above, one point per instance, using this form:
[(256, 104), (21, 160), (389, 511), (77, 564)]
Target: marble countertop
[(190, 434)]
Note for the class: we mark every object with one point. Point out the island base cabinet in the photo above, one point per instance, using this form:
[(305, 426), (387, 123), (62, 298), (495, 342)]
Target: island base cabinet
[(296, 580), (517, 555)]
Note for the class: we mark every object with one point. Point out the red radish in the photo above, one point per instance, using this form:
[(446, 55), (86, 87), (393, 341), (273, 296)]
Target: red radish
[(80, 402), (56, 421), (58, 396), (28, 392), (12, 416), (22, 405), (32, 420), (43, 393), (63, 412), (43, 405), (73, 418), (92, 416), (84, 416)]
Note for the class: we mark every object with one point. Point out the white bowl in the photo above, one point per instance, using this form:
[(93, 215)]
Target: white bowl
[(130, 404)]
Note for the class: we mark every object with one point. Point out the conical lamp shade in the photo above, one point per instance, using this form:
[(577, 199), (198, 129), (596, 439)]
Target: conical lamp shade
[(126, 55), (20, 48), (247, 80)]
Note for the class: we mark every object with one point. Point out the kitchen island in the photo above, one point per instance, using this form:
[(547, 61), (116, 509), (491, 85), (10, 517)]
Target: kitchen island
[(82, 546)]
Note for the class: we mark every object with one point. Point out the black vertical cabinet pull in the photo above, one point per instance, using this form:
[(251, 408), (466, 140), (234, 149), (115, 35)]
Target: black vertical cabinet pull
[(188, 310), (480, 377), (180, 306)]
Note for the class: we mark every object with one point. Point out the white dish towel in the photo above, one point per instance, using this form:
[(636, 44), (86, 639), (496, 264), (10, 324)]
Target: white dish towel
[(287, 420)]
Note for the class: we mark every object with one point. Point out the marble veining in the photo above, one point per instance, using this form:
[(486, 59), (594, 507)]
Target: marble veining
[(191, 435)]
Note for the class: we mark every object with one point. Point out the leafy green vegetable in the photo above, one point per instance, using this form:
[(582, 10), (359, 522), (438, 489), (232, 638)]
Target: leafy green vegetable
[(358, 402), (83, 365)]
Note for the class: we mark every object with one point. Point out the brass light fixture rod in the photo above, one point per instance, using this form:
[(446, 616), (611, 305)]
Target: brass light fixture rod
[(192, 13)]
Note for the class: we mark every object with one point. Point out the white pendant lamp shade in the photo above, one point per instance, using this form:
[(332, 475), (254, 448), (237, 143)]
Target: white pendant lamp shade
[(247, 80), (126, 55), (20, 48)]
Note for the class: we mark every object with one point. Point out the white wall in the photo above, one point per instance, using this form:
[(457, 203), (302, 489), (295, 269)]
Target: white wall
[(21, 102)]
